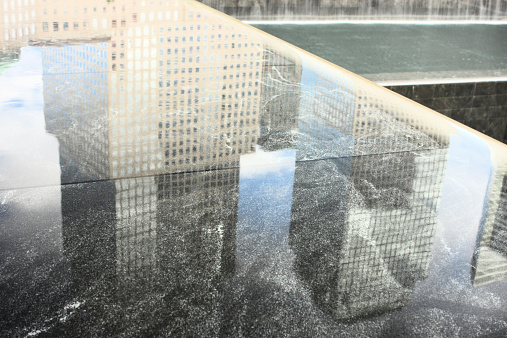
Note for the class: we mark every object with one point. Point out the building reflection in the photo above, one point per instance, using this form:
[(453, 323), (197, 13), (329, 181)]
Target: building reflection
[(192, 103), (155, 116), (76, 107), (371, 240), (175, 240), (489, 263), (165, 107), (280, 100)]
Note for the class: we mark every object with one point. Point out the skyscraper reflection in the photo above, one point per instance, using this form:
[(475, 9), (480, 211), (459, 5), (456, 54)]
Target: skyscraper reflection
[(155, 106), (280, 100), (192, 100), (371, 241), (175, 243), (162, 108), (489, 262)]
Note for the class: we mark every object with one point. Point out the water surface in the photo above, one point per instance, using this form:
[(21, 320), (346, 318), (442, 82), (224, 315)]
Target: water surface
[(396, 48)]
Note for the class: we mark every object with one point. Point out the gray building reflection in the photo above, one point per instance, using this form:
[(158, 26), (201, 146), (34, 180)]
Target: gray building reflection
[(371, 240), (280, 100), (76, 107), (175, 241), (489, 263), (174, 223)]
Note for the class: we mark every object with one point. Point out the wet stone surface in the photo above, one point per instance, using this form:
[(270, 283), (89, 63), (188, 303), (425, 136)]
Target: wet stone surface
[(259, 193)]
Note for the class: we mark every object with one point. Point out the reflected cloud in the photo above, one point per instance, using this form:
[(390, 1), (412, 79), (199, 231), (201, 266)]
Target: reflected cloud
[(261, 163)]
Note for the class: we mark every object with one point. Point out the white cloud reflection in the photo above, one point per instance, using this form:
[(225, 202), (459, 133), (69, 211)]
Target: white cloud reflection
[(261, 163)]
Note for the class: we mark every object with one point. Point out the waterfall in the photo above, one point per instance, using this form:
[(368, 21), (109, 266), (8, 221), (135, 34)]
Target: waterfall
[(362, 9)]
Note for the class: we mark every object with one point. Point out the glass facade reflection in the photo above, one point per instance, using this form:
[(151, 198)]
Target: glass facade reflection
[(216, 181), (76, 107), (489, 262), (373, 237)]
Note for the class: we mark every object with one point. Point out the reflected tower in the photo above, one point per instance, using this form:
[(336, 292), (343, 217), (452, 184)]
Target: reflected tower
[(372, 240), (184, 93), (489, 263), (76, 112), (169, 94), (279, 104), (184, 98)]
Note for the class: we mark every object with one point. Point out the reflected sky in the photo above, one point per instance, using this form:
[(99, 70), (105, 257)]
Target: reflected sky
[(28, 154)]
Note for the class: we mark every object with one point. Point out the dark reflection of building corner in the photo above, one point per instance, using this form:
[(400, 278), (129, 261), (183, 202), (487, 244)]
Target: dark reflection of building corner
[(89, 236), (489, 262)]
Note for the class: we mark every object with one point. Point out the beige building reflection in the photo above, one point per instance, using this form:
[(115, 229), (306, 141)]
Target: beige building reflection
[(184, 94), (154, 94), (174, 72), (184, 97)]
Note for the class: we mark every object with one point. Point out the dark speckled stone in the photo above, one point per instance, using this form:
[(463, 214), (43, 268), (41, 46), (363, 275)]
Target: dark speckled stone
[(484, 88), (465, 89), (445, 90), (424, 91), (479, 105), (254, 191)]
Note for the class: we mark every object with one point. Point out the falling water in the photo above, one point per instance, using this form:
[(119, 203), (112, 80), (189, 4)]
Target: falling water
[(362, 9)]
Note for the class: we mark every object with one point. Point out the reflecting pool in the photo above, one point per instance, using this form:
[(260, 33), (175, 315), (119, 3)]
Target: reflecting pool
[(435, 51)]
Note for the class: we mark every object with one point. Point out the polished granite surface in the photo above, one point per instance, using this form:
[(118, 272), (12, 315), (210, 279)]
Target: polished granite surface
[(168, 171)]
